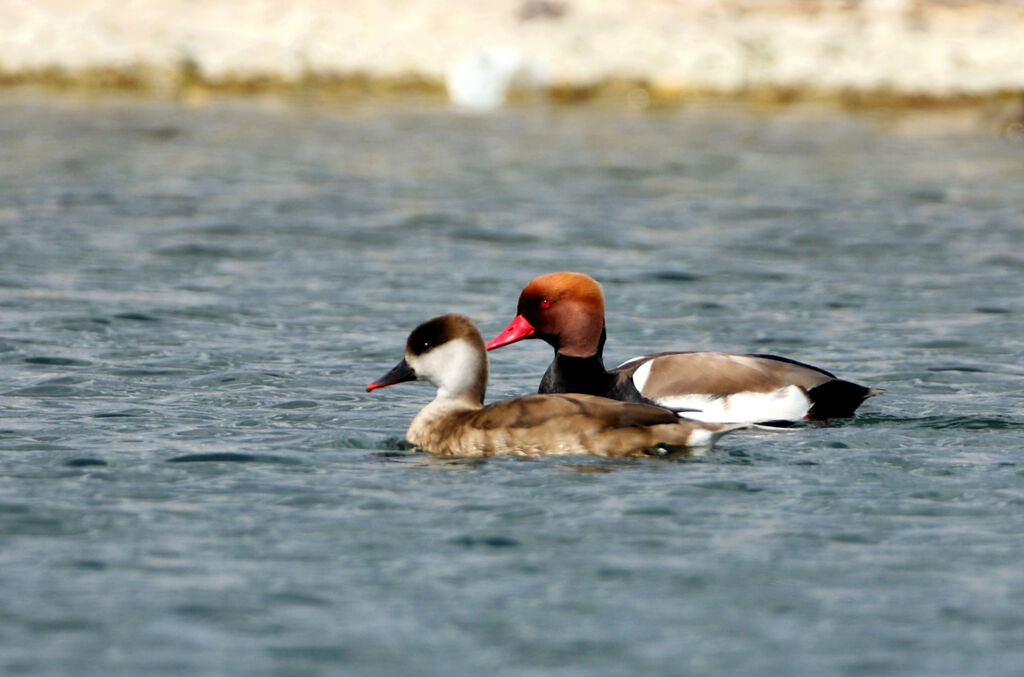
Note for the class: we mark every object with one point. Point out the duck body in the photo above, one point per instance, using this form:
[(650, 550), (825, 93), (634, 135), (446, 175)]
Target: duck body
[(757, 388), (448, 352), (548, 425), (567, 311)]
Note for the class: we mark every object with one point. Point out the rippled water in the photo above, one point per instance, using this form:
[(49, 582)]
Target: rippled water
[(194, 482)]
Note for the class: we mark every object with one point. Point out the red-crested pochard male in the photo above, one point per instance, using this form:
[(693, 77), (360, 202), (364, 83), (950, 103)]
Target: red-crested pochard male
[(567, 311), (448, 352)]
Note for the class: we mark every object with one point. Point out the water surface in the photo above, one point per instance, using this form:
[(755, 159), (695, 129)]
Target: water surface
[(192, 480)]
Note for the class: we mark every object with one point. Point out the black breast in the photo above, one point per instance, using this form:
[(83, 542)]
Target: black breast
[(587, 375)]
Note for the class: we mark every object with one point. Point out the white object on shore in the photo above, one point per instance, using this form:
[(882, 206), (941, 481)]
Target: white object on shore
[(483, 80)]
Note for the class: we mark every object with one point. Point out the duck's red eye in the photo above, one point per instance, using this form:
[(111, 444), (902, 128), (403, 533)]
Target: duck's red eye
[(545, 303)]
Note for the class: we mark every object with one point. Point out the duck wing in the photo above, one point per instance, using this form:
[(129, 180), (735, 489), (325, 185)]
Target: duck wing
[(536, 410), (725, 386)]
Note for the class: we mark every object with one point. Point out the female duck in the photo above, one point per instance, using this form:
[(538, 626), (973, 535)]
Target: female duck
[(448, 352), (567, 311)]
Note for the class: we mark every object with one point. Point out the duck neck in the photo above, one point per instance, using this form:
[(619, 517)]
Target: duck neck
[(464, 375), (433, 417), (585, 339), (471, 395), (568, 374)]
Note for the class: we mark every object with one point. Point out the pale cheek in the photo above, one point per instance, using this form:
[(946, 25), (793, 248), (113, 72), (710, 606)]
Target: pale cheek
[(453, 367)]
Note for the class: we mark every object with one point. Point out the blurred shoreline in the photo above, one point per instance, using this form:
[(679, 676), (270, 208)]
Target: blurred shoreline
[(482, 55)]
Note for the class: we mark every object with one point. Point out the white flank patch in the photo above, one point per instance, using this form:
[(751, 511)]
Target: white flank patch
[(641, 374), (785, 404)]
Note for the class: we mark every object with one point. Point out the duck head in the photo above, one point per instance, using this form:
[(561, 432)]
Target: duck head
[(447, 352), (565, 309)]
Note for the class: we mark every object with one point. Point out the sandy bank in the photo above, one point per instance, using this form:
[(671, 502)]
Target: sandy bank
[(478, 50)]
